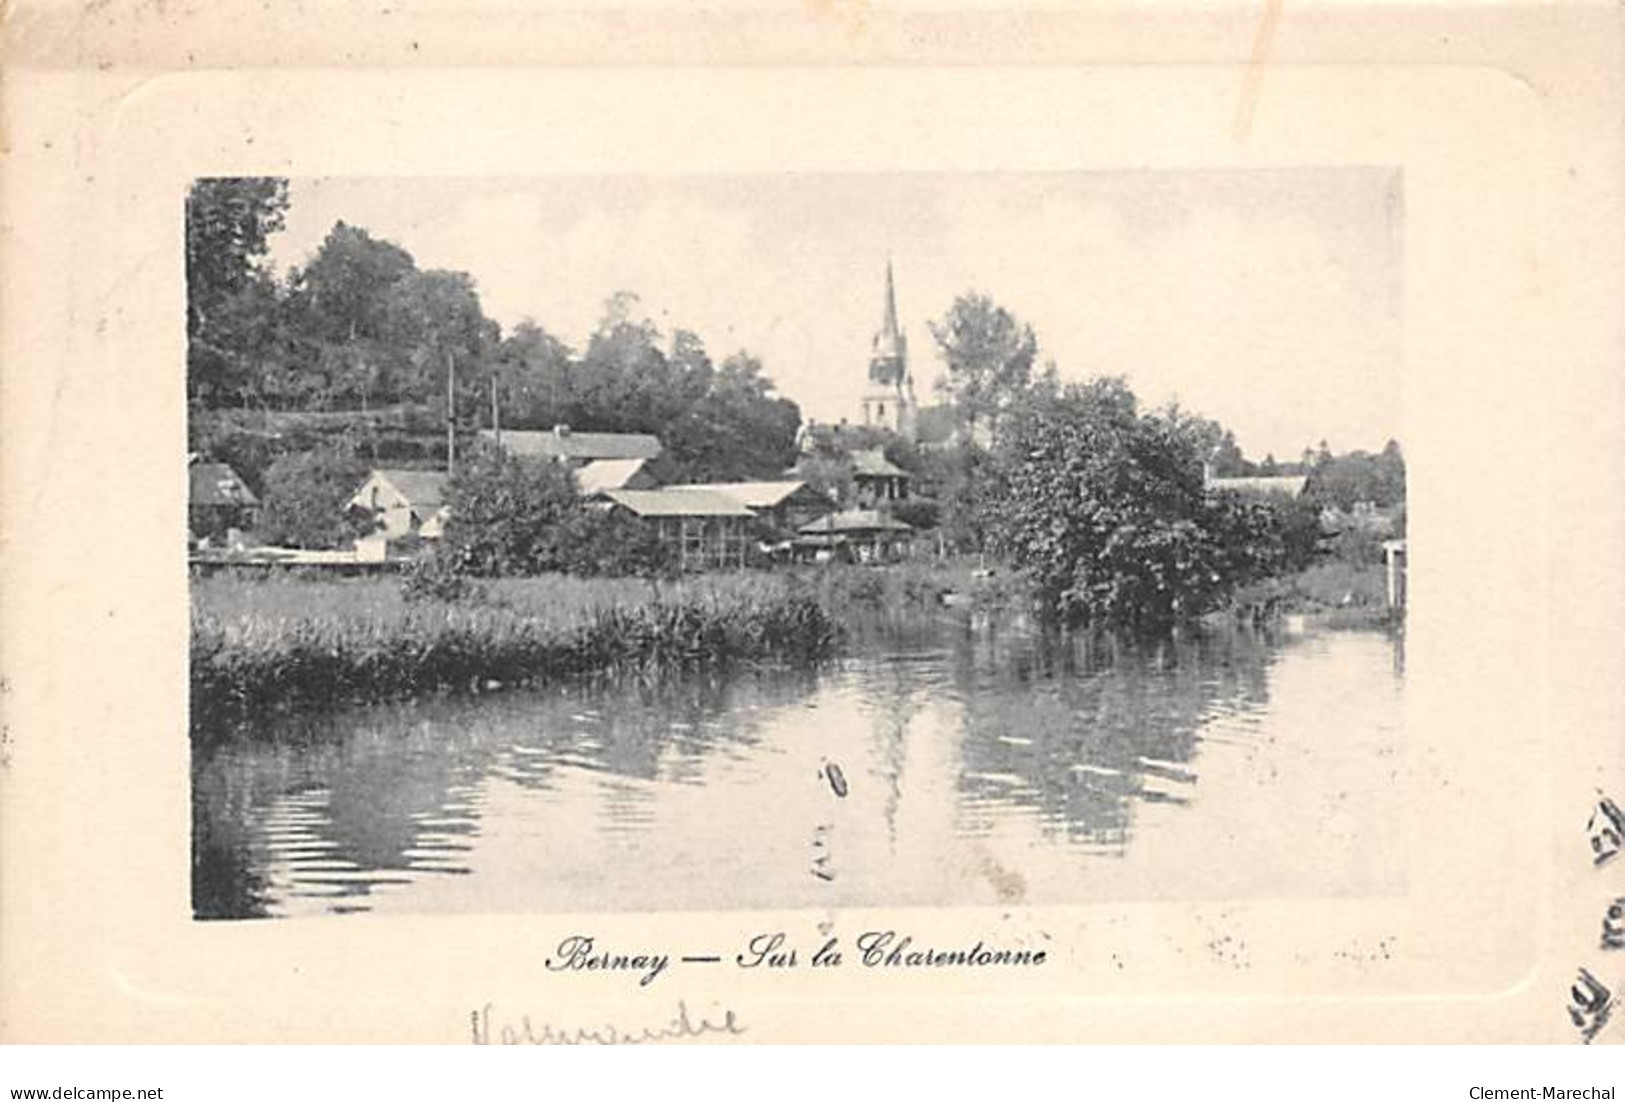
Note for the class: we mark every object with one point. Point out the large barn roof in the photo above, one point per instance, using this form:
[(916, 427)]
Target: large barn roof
[(560, 442), (756, 495)]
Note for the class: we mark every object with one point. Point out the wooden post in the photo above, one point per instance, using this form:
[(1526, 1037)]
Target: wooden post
[(451, 413)]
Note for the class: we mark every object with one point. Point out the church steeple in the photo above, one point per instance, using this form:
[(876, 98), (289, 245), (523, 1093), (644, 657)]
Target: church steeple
[(889, 400), (889, 360)]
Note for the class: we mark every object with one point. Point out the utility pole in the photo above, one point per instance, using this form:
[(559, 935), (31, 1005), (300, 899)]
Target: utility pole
[(496, 415), (451, 413)]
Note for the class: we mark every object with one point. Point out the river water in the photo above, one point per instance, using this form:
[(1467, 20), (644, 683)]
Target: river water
[(958, 762)]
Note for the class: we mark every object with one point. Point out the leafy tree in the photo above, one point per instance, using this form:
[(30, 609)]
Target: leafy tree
[(436, 315), (339, 303), (1345, 481), (342, 292), (963, 479), (1212, 442), (535, 379), (230, 296), (306, 499), (717, 422), (1105, 509), (514, 516), (918, 512), (510, 515), (989, 357), (614, 544), (737, 427)]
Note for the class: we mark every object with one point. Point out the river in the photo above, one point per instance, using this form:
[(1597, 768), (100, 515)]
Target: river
[(958, 762)]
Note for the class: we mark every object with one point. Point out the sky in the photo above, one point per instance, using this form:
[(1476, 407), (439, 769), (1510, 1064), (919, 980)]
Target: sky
[(1269, 299)]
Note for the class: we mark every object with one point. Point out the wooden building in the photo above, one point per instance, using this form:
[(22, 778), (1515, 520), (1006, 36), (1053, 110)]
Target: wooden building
[(858, 535), (784, 506), (706, 528), (877, 480), (218, 500)]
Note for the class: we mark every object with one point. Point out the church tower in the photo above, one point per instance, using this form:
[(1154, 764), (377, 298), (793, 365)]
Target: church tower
[(888, 400)]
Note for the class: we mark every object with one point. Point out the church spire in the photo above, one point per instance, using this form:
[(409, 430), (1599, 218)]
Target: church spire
[(890, 346), (889, 400), (888, 326)]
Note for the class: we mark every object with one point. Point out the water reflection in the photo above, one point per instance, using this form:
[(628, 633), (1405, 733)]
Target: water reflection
[(1077, 729), (976, 762)]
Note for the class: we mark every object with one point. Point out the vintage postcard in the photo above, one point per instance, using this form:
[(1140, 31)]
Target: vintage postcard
[(835, 525)]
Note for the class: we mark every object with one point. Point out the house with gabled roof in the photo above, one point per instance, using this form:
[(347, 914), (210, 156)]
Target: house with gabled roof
[(863, 535), (406, 502), (218, 499), (784, 504), (877, 479)]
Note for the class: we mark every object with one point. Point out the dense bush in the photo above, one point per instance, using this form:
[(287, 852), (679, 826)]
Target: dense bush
[(512, 516), (1106, 510), (306, 499), (509, 515), (919, 512)]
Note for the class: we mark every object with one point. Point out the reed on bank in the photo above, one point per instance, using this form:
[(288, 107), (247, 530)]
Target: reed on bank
[(288, 642)]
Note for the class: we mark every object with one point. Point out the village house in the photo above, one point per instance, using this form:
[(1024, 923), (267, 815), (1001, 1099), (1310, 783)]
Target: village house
[(861, 535), (878, 480), (564, 445), (219, 500), (706, 528), (783, 506), (406, 502)]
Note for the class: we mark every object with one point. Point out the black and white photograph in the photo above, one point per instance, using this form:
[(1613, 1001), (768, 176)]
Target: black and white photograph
[(795, 541), (847, 524)]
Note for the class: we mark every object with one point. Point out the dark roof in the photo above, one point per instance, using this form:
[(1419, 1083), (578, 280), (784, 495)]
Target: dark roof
[(677, 503), (560, 442), (872, 463), (420, 488), (853, 521), (218, 484)]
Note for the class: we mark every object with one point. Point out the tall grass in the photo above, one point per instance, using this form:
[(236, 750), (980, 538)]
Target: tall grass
[(1336, 591), (283, 642)]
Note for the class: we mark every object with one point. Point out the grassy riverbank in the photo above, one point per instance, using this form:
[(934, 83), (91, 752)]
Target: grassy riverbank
[(1336, 592), (288, 642), (264, 643)]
